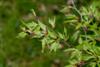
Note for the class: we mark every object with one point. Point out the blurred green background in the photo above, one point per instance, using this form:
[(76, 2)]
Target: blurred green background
[(26, 52)]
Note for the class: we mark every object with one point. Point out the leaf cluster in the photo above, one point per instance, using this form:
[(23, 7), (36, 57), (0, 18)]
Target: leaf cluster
[(79, 36)]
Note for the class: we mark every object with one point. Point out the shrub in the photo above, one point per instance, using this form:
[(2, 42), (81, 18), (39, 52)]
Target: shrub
[(76, 32)]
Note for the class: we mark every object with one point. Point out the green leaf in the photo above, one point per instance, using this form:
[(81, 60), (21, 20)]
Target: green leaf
[(80, 40), (52, 34), (69, 65), (38, 33), (33, 11), (92, 64), (78, 26), (87, 57), (61, 35), (73, 61), (65, 9), (43, 26), (54, 46), (75, 54), (52, 22), (85, 11), (71, 21), (65, 31), (22, 35), (32, 25), (70, 17), (75, 36), (44, 43), (70, 50)]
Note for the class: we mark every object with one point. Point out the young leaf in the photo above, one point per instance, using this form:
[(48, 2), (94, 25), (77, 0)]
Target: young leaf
[(70, 50), (22, 35), (61, 35), (33, 11), (52, 34), (75, 36), (92, 64), (43, 26), (31, 25), (52, 22), (78, 26), (80, 40), (44, 42), (54, 46), (70, 65)]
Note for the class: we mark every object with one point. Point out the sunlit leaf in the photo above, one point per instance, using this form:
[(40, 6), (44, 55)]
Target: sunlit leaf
[(70, 50), (54, 46), (31, 25), (61, 35), (79, 26), (52, 22), (33, 11), (22, 35), (44, 43), (43, 26), (75, 36), (69, 66), (52, 34), (80, 40)]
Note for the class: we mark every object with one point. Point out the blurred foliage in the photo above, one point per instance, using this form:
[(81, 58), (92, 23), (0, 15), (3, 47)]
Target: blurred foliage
[(79, 26)]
